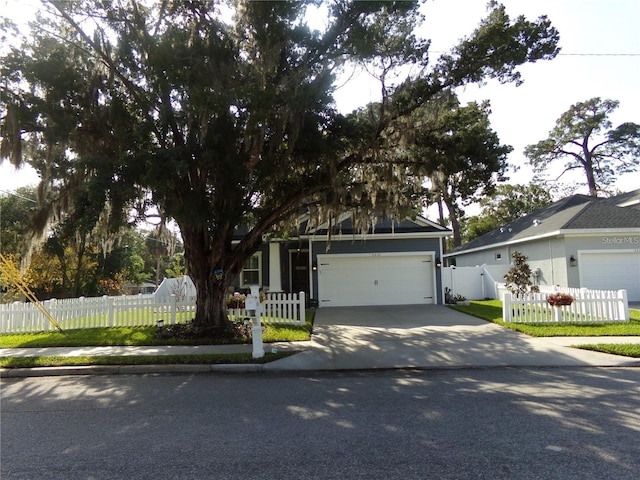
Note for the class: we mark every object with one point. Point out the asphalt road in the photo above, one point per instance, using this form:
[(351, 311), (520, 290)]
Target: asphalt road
[(445, 424)]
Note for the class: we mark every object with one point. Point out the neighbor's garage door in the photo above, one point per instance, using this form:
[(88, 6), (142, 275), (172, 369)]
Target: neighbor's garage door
[(376, 279), (611, 270)]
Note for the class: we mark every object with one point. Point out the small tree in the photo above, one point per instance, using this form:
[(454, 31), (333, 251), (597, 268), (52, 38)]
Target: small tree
[(518, 278)]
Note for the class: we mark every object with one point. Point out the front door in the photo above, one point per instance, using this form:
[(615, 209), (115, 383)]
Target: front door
[(299, 261)]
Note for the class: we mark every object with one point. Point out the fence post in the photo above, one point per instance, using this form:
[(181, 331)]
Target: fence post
[(624, 306), (174, 309), (303, 317), (111, 311), (506, 307)]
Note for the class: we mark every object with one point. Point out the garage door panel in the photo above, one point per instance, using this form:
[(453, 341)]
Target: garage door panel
[(375, 280), (611, 270)]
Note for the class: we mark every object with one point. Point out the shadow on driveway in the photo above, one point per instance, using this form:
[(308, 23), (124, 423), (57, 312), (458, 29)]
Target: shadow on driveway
[(426, 336)]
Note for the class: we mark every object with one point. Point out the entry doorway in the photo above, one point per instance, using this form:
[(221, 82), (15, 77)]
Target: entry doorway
[(299, 271)]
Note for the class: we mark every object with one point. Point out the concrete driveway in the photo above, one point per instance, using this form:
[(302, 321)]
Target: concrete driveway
[(426, 336)]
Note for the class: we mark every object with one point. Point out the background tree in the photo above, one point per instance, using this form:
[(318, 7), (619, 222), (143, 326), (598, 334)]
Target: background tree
[(176, 267), (220, 121), (584, 139), (161, 243), (123, 265), (506, 204), (56, 269), (461, 154), (15, 211)]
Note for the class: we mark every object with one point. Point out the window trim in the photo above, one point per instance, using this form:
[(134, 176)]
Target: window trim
[(259, 269)]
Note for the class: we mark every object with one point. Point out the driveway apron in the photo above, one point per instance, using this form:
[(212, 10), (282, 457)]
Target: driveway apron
[(426, 336)]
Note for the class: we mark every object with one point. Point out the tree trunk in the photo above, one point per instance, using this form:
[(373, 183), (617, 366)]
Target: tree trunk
[(205, 256), (588, 168), (453, 217), (80, 260), (213, 262), (441, 210), (211, 310)]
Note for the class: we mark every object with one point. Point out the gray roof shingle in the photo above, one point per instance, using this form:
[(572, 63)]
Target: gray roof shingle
[(577, 212)]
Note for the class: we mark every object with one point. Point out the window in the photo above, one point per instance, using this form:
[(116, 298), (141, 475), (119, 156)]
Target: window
[(252, 271)]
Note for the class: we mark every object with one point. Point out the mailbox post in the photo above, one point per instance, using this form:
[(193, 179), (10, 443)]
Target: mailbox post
[(252, 302)]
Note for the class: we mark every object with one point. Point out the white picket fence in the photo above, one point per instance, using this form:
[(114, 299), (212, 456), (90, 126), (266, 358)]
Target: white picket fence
[(589, 306), (284, 308), (133, 310)]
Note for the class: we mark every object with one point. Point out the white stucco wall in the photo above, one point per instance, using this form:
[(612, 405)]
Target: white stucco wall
[(551, 255)]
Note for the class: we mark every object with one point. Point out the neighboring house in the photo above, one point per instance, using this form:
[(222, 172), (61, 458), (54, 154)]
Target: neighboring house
[(181, 287), (393, 264), (579, 241), (144, 288)]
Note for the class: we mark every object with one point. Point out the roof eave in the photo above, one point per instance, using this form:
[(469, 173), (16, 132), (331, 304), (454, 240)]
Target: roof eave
[(556, 233)]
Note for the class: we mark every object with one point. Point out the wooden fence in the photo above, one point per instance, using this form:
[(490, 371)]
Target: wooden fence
[(133, 310), (589, 306)]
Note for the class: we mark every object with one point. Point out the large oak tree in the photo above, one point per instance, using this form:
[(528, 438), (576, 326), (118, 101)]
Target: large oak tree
[(221, 113)]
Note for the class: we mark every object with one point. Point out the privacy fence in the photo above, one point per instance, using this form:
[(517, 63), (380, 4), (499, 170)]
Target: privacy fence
[(589, 306), (135, 310)]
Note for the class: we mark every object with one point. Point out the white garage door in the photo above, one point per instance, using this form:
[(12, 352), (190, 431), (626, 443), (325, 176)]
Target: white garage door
[(376, 279), (611, 270)]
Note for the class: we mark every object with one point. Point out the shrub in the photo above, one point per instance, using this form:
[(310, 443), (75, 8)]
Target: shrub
[(518, 278)]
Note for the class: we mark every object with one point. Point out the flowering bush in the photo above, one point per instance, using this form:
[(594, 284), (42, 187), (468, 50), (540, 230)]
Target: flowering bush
[(236, 300), (559, 299)]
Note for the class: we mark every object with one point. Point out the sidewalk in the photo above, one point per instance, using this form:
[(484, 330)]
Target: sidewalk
[(319, 356), (147, 351)]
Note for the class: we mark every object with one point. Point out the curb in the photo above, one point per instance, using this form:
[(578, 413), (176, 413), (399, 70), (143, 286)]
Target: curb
[(129, 370), (248, 368)]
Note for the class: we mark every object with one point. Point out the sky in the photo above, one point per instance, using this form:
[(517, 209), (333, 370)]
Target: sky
[(600, 57)]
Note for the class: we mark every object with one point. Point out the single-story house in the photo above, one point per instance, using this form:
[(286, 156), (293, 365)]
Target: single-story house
[(391, 264), (579, 241)]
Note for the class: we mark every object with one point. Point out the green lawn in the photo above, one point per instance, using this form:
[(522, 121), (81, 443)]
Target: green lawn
[(491, 310), (628, 350), (136, 336)]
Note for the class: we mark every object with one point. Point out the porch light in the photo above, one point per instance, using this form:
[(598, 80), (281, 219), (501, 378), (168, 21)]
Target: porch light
[(572, 261)]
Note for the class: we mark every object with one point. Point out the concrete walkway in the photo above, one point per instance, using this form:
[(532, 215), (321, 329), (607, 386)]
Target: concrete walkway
[(363, 338)]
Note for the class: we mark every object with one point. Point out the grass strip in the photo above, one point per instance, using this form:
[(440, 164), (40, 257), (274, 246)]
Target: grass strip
[(141, 336), (206, 359), (624, 349), (491, 310)]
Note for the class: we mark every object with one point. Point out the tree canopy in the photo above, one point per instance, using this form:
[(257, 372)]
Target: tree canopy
[(68, 264), (584, 138), (505, 204), (221, 113), (459, 153)]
